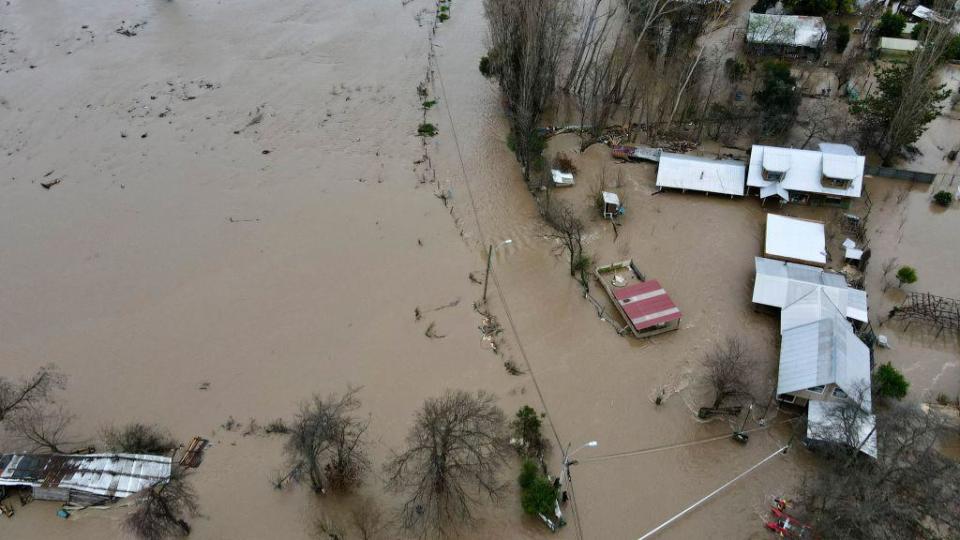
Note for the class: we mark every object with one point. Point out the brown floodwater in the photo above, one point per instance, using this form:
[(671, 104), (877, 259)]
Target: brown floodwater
[(239, 206)]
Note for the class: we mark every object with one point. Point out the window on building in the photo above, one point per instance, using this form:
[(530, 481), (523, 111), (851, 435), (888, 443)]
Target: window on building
[(817, 389), (838, 393)]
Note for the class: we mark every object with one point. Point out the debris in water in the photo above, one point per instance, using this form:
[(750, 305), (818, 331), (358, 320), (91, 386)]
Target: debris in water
[(50, 184), (432, 332)]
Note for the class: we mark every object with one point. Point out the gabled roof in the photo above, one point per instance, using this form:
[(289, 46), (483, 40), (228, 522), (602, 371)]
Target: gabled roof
[(792, 30), (779, 284), (678, 171), (805, 169), (823, 424), (818, 347), (110, 475)]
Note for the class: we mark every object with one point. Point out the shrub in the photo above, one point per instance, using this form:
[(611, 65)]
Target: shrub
[(137, 438), (427, 130), (889, 382), (735, 69), (486, 69), (443, 16), (943, 198), (907, 274), (429, 103), (891, 24), (539, 498), (526, 431), (563, 163), (529, 471), (843, 37), (763, 5), (953, 50), (918, 30), (815, 8)]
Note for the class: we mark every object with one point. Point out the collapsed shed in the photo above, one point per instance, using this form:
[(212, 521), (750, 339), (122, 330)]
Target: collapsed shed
[(83, 479)]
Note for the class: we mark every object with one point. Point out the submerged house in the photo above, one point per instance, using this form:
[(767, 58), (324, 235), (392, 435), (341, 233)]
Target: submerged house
[(779, 284), (831, 175), (83, 479), (821, 358), (790, 35), (722, 176)]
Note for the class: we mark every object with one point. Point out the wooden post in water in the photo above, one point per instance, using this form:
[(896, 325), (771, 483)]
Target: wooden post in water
[(486, 277)]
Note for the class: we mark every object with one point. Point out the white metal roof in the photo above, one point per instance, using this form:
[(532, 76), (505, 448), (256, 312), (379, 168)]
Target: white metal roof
[(898, 44), (795, 239), (823, 424), (561, 178), (611, 198), (927, 14), (793, 30), (824, 351), (678, 171), (779, 284), (111, 475), (805, 169)]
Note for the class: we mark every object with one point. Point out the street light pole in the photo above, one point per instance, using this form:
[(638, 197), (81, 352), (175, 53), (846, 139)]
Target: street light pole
[(567, 461)]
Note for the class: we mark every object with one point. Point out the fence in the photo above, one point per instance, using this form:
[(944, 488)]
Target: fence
[(900, 174)]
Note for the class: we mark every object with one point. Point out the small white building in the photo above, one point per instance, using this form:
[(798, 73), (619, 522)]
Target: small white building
[(795, 240), (785, 34), (723, 176), (898, 45), (832, 174)]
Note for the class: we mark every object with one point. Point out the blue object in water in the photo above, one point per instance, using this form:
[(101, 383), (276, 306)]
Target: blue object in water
[(63, 513)]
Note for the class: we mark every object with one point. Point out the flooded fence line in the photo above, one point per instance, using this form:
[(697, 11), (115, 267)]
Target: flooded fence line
[(900, 174)]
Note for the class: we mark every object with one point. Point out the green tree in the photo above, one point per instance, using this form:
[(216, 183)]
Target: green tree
[(953, 50), (779, 97), (896, 114), (843, 37), (528, 439), (906, 274), (891, 24), (918, 30), (539, 498), (815, 8), (889, 382)]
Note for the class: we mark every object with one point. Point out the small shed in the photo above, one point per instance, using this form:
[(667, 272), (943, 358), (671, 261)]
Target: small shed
[(795, 240), (561, 179), (898, 45), (611, 205)]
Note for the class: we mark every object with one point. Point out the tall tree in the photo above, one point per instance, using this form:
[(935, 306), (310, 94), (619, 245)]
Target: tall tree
[(455, 451), (527, 40), (729, 366), (163, 508), (907, 96), (28, 392)]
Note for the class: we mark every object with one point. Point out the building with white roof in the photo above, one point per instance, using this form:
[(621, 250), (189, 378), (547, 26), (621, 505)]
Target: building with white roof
[(723, 176), (833, 173), (821, 358), (898, 45), (779, 284), (785, 33), (795, 240)]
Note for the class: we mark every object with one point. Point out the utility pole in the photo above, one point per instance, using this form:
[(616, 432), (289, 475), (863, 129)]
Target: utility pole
[(486, 277)]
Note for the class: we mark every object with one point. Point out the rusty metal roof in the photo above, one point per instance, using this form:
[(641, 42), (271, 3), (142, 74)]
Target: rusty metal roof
[(111, 475)]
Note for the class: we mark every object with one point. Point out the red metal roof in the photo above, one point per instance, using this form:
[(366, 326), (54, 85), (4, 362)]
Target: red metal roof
[(646, 304)]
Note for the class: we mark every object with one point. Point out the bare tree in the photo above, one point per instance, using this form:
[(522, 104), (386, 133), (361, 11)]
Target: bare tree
[(527, 39), (368, 518), (162, 509), (137, 438), (327, 442), (32, 391), (568, 228), (41, 427), (455, 450), (729, 366), (910, 491)]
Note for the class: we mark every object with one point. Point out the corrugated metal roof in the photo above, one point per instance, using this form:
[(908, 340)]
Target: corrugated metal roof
[(779, 284), (792, 30), (818, 347), (823, 424), (797, 239), (678, 171), (646, 304), (805, 170), (111, 475), (898, 44)]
